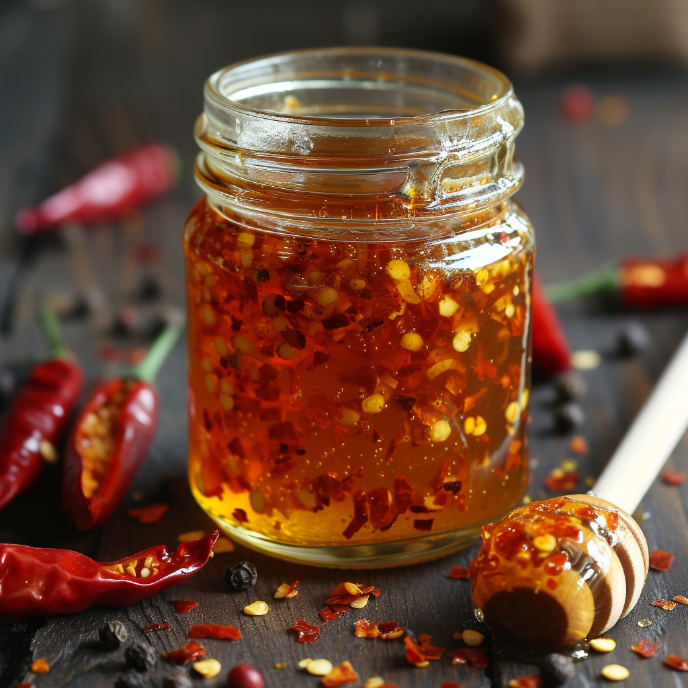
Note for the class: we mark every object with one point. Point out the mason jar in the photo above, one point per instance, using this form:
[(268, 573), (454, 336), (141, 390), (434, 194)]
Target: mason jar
[(359, 284)]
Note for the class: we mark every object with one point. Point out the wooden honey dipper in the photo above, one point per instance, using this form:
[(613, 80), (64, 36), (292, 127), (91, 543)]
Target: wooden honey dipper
[(553, 573)]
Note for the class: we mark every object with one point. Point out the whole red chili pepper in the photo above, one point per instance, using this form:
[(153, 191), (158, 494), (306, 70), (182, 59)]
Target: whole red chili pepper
[(107, 192), (59, 581), (551, 353), (110, 439), (38, 416), (634, 283)]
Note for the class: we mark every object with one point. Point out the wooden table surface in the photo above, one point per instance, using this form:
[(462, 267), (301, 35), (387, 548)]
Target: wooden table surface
[(85, 84)]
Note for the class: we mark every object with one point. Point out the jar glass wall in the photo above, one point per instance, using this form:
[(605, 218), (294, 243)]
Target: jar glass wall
[(358, 305)]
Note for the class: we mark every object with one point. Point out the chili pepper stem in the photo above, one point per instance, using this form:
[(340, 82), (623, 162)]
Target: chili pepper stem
[(148, 368), (604, 281), (53, 333)]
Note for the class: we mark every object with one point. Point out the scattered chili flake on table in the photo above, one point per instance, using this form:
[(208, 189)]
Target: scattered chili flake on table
[(190, 535), (445, 684), (149, 514), (469, 655), (187, 654), (223, 546), (681, 599), (673, 477), (40, 666), (286, 591), (458, 572), (366, 629), (579, 445), (152, 628), (183, 606), (531, 681), (215, 631), (661, 560), (390, 630), (645, 648), (306, 633), (664, 604), (676, 663), (561, 481), (340, 675), (347, 595)]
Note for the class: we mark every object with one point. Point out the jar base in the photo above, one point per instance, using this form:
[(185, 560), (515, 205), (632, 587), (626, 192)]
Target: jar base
[(375, 555)]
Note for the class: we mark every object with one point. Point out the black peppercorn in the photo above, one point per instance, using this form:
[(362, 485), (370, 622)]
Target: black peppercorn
[(177, 679), (557, 670), (241, 576), (570, 386), (112, 634), (132, 680), (633, 339), (140, 656), (567, 417)]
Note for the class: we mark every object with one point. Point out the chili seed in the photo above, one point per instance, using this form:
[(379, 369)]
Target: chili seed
[(208, 668), (360, 602), (140, 656), (615, 672), (357, 284), (374, 682), (570, 386), (422, 665), (440, 431), (602, 644), (177, 679), (585, 359), (644, 623), (480, 426), (132, 679), (632, 340), (47, 451), (241, 576), (448, 307), (245, 240), (568, 417), (112, 634), (247, 676), (258, 608), (461, 341), (304, 662), (557, 670), (512, 412), (398, 270), (373, 404), (472, 638), (327, 296), (545, 543), (319, 667), (412, 341)]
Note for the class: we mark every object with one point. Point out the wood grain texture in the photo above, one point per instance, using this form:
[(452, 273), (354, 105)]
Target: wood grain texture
[(595, 193)]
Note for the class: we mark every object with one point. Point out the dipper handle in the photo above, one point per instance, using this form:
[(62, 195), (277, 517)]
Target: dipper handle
[(651, 439)]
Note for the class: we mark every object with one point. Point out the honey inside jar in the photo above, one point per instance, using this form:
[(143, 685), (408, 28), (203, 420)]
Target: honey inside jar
[(358, 361)]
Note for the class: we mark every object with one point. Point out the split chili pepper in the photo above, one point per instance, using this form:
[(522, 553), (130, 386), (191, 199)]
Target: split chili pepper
[(551, 353), (110, 439), (58, 581), (633, 283), (37, 419), (107, 192)]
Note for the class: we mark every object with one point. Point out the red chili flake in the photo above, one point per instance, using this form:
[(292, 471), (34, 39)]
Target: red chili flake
[(645, 648), (183, 606), (681, 599), (360, 516), (413, 653), (403, 494), (152, 628), (664, 604), (215, 631), (444, 684), (391, 631), (149, 514), (458, 572), (240, 515), (366, 629), (331, 613), (531, 681), (340, 675), (579, 445), (424, 524), (186, 654), (676, 663), (474, 655), (673, 477), (661, 560), (40, 666), (306, 632), (428, 651), (562, 483)]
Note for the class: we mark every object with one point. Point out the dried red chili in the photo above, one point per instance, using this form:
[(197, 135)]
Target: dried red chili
[(645, 648), (676, 663), (38, 416), (110, 439), (458, 572), (664, 604), (340, 675), (661, 560), (673, 477), (63, 582), (109, 191), (214, 631), (306, 633), (183, 606), (428, 651), (413, 653), (149, 514), (681, 599), (366, 629), (551, 353), (469, 655), (152, 628), (40, 666), (391, 631), (187, 654)]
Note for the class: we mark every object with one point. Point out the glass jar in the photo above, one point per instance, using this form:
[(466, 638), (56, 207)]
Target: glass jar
[(358, 305)]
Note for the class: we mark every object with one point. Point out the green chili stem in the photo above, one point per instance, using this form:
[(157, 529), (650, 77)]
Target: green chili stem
[(602, 282), (148, 368), (53, 333)]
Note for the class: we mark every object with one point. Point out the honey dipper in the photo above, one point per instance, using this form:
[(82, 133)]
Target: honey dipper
[(553, 573)]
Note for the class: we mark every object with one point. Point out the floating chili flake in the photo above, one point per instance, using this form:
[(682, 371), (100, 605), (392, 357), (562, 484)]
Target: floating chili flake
[(681, 599), (286, 591), (360, 516), (673, 477), (215, 631), (661, 560), (458, 572), (240, 515), (183, 606), (424, 524), (40, 666), (469, 655), (531, 681), (390, 630), (560, 481), (645, 648), (187, 654), (306, 632), (149, 514), (676, 663), (366, 629), (579, 445), (664, 604), (340, 675), (153, 628)]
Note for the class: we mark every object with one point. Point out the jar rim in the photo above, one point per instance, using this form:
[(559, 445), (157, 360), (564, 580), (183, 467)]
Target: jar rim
[(217, 85)]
